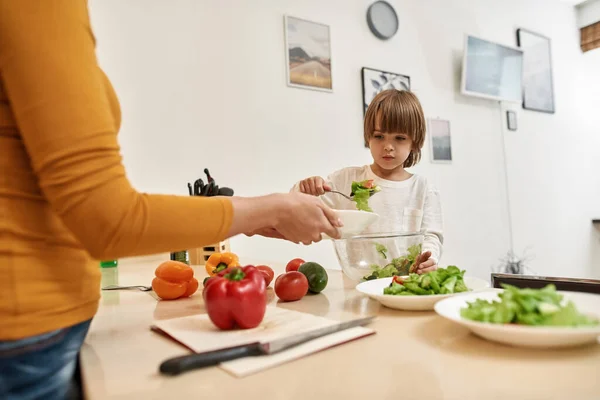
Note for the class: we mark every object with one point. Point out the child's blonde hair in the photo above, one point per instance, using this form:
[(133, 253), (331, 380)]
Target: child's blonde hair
[(397, 112)]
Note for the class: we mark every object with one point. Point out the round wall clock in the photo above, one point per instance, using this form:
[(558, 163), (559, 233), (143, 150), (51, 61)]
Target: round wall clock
[(382, 19)]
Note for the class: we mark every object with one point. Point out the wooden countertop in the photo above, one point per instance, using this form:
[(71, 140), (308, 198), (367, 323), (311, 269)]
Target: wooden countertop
[(414, 355)]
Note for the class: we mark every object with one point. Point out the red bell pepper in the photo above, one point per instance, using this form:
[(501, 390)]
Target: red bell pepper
[(238, 297)]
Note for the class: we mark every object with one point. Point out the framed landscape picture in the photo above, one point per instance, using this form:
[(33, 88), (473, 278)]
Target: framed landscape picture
[(308, 54), (439, 138)]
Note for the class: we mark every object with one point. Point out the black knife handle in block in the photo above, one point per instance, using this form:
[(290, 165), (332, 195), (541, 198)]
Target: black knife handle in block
[(206, 189), (178, 365)]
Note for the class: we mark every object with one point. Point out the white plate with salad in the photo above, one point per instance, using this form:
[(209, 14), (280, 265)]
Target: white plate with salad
[(538, 318), (421, 292)]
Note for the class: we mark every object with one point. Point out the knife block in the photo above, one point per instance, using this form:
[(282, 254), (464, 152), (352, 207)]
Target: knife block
[(198, 256)]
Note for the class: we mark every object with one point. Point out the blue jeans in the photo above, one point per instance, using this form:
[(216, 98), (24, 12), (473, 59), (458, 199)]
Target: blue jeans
[(43, 366)]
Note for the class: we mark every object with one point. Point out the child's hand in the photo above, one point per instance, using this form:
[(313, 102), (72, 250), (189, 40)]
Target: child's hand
[(315, 185), (423, 264)]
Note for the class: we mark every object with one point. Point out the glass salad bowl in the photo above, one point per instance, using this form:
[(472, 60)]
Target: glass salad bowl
[(378, 255)]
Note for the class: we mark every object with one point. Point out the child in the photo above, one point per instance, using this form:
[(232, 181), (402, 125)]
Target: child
[(394, 131)]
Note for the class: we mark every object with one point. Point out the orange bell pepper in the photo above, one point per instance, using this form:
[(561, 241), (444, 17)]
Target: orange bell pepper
[(173, 280), (217, 262)]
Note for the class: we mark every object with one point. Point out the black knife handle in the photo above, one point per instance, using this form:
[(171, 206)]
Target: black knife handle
[(178, 365), (207, 188), (198, 186)]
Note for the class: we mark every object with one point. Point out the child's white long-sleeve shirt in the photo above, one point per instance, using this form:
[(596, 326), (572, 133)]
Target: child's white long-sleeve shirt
[(400, 204)]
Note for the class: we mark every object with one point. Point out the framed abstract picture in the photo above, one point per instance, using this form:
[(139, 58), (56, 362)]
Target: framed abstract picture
[(375, 81), (308, 54), (538, 88)]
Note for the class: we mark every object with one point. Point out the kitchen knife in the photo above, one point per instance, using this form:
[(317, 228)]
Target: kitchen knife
[(178, 365)]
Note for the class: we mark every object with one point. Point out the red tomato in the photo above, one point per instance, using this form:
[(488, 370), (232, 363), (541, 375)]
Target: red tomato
[(294, 264), (398, 279), (291, 286), (267, 272)]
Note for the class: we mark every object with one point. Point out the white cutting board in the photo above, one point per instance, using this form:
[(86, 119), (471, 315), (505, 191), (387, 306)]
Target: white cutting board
[(200, 335)]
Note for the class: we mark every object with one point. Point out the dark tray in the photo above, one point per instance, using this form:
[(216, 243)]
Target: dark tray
[(537, 282)]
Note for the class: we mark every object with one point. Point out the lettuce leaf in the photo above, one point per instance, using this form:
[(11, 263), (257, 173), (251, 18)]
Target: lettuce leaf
[(398, 266), (381, 249), (361, 192), (441, 281), (538, 307), (361, 198)]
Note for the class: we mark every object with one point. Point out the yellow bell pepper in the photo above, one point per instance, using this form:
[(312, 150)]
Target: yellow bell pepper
[(217, 262)]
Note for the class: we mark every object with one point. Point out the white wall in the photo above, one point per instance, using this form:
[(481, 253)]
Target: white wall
[(588, 13), (202, 84)]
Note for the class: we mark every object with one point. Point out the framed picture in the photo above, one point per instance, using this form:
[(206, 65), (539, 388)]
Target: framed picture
[(308, 54), (511, 120), (375, 81), (439, 138), (538, 88)]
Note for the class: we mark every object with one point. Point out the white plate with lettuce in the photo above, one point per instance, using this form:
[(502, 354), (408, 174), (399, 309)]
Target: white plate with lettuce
[(539, 318), (421, 292)]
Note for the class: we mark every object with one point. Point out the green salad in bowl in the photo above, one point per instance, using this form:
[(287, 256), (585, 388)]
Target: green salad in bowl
[(378, 255), (386, 266)]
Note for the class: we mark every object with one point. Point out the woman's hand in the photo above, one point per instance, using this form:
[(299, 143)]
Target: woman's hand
[(297, 217), (303, 218), (266, 232)]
